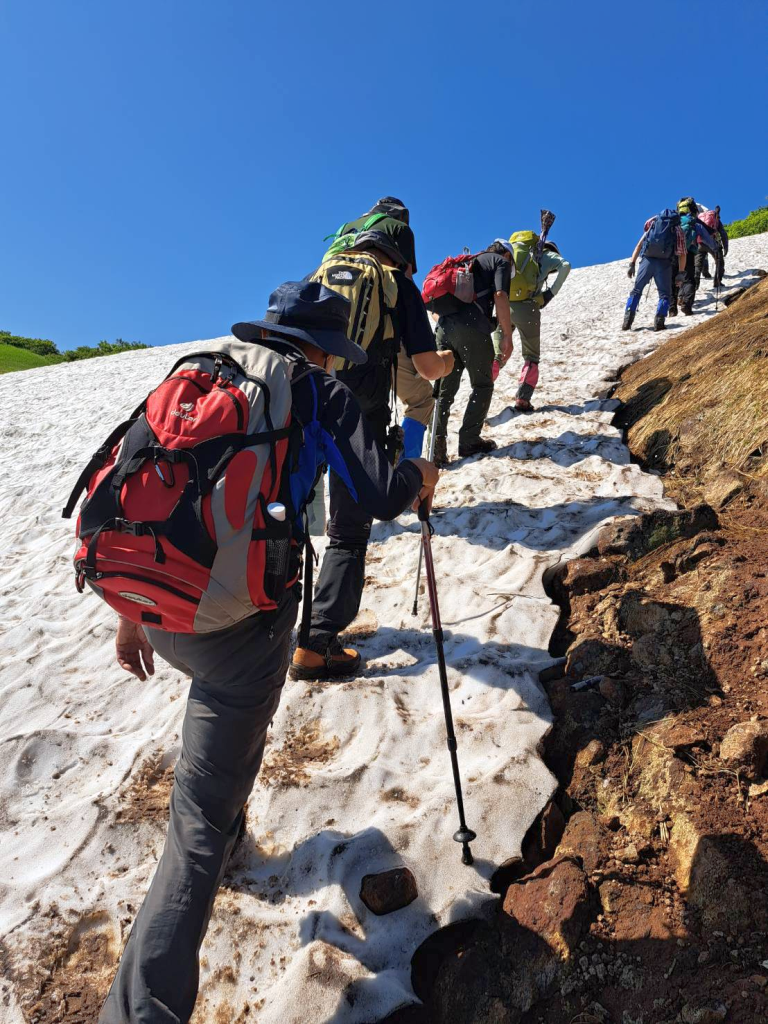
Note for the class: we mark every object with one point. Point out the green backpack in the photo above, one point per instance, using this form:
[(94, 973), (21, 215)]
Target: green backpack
[(523, 284), (345, 237)]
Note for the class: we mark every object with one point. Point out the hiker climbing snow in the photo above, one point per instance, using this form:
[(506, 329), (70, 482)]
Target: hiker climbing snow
[(662, 251), (387, 311), (462, 291), (536, 260), (205, 485)]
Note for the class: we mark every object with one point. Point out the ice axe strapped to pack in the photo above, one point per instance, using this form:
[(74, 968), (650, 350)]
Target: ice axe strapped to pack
[(527, 248)]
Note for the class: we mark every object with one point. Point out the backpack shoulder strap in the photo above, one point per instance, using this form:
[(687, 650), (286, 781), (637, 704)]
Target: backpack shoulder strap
[(373, 219), (99, 459)]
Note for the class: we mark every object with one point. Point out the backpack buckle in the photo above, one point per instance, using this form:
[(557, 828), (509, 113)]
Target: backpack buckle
[(135, 529)]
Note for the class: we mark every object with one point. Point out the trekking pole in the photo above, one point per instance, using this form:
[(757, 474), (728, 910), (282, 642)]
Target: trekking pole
[(433, 429), (463, 835)]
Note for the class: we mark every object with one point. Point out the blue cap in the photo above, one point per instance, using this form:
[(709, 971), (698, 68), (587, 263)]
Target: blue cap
[(310, 311)]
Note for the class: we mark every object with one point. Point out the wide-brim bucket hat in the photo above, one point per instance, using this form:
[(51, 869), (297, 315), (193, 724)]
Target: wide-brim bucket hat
[(309, 311)]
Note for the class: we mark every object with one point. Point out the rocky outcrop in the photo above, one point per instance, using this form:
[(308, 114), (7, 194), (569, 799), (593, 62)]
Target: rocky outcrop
[(642, 534)]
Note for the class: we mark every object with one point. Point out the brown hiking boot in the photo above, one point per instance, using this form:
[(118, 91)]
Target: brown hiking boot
[(440, 457), (523, 405), (479, 447), (337, 661)]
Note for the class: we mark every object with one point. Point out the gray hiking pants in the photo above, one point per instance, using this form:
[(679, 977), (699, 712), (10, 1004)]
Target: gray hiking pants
[(237, 678)]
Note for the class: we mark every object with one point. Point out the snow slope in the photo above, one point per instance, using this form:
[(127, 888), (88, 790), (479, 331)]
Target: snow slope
[(356, 776)]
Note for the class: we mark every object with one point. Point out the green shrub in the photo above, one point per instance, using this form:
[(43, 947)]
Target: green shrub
[(104, 348), (40, 346), (42, 352), (754, 223)]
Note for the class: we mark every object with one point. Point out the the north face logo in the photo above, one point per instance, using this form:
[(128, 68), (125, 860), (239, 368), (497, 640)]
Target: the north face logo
[(343, 276)]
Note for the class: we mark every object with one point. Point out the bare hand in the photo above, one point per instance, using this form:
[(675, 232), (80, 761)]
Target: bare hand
[(449, 359), (507, 347), (134, 651), (430, 474)]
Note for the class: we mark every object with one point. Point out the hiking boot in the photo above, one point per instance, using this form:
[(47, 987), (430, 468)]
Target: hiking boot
[(659, 324), (523, 405), (440, 457), (479, 447), (687, 310), (629, 316), (673, 309), (705, 273), (337, 661)]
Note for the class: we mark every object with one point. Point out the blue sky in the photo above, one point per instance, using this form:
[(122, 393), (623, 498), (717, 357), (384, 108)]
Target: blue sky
[(168, 162)]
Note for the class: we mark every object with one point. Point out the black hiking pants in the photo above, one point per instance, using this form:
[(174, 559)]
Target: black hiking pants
[(687, 290), (472, 349), (237, 678), (339, 586)]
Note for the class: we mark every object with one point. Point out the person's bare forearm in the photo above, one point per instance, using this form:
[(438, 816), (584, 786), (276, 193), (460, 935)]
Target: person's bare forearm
[(502, 314), (432, 365), (636, 253)]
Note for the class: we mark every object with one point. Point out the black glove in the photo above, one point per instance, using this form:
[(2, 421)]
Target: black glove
[(546, 296), (631, 271)]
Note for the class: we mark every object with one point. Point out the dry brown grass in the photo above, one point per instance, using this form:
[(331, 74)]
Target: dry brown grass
[(701, 401)]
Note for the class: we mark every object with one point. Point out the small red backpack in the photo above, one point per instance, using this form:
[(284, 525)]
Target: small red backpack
[(450, 280)]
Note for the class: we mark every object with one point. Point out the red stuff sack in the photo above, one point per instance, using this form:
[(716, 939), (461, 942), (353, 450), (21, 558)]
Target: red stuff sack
[(175, 530)]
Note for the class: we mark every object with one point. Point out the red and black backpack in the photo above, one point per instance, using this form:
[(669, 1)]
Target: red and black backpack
[(450, 283), (188, 523)]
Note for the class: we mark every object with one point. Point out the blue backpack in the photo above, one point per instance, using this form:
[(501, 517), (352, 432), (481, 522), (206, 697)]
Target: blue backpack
[(660, 242)]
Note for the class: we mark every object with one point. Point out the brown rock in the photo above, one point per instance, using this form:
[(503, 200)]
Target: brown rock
[(587, 575), (596, 658), (388, 891), (676, 735), (629, 854), (553, 903), (581, 839), (612, 690), (746, 746), (722, 487), (727, 885), (593, 753), (637, 536), (638, 617)]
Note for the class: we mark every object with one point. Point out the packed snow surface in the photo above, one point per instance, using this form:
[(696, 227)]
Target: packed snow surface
[(356, 776)]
